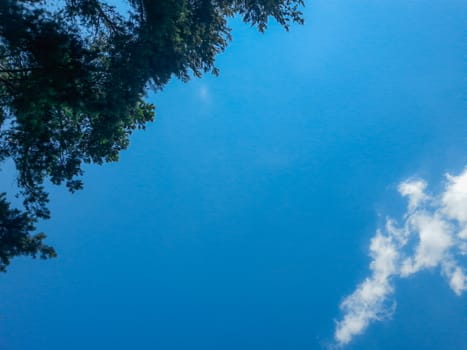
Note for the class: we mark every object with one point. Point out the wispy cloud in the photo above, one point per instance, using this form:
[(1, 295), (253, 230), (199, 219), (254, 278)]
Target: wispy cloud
[(203, 93), (433, 233)]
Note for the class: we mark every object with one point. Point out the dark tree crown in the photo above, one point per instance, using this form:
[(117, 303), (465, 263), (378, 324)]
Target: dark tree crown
[(73, 74)]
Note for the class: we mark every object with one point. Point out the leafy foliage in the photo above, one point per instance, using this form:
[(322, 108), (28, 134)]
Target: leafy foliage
[(73, 74), (16, 238)]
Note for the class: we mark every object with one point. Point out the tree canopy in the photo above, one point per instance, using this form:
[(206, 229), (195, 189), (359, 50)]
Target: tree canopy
[(73, 75)]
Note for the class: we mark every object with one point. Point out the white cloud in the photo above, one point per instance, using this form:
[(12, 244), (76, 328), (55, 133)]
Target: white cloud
[(454, 199), (368, 302), (434, 240), (415, 190), (457, 281), (437, 225), (456, 276)]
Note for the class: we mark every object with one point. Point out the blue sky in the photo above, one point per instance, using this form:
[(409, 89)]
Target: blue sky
[(242, 218)]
